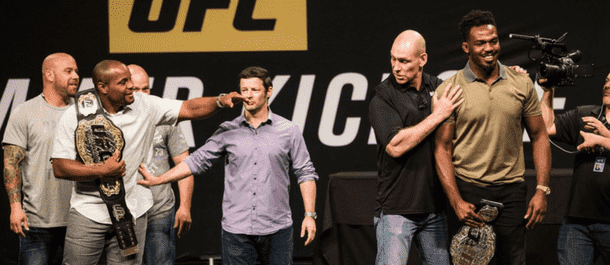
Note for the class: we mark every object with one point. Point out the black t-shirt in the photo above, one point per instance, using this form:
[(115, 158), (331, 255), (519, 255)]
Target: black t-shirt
[(407, 184), (590, 192)]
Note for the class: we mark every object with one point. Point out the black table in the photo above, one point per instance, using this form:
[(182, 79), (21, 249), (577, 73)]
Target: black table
[(347, 235)]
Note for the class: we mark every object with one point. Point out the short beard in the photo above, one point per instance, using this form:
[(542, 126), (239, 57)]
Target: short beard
[(488, 69)]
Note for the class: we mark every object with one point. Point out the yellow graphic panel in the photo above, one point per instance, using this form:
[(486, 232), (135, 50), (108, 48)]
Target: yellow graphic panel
[(165, 26)]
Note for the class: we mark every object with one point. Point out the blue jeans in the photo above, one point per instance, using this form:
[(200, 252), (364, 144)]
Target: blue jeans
[(580, 242), (160, 247), (40, 245), (86, 239), (240, 249), (395, 233)]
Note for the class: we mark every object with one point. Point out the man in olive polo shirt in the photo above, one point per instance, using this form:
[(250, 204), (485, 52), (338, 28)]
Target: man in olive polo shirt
[(479, 148)]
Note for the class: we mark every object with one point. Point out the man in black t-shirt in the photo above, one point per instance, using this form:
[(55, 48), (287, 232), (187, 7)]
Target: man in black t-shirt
[(585, 232), (410, 200)]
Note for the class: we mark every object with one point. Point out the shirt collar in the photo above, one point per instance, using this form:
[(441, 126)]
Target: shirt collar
[(597, 113), (270, 118), (125, 109), (471, 77), (405, 88)]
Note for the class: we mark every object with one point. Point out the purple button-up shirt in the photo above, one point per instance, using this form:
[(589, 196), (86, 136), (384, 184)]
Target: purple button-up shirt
[(257, 163)]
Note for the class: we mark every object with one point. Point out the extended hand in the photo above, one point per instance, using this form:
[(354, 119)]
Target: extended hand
[(536, 209), (183, 220), (149, 179), (309, 225), (448, 101), (229, 100)]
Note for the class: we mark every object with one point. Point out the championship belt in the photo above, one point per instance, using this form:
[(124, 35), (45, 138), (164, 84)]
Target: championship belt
[(476, 246), (97, 139)]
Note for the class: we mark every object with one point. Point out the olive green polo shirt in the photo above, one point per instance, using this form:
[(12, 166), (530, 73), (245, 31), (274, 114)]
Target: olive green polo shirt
[(488, 139)]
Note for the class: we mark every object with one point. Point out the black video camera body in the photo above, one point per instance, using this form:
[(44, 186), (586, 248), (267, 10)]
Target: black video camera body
[(560, 68)]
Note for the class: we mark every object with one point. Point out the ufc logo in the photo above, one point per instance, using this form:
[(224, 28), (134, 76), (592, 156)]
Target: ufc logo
[(195, 16), (160, 26)]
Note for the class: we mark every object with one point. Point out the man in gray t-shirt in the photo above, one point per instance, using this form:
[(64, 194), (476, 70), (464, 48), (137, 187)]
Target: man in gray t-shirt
[(160, 246), (39, 202)]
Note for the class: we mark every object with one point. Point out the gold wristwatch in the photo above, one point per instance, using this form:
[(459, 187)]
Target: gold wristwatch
[(545, 189), (311, 214)]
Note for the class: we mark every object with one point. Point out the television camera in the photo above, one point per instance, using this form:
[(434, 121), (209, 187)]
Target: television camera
[(558, 66)]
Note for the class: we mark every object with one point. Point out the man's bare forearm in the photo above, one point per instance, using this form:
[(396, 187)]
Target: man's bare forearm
[(13, 156), (198, 108), (185, 185), (548, 114), (308, 191), (443, 154)]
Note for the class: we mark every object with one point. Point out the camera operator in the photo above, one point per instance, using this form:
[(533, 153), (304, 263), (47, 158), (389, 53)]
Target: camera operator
[(585, 232)]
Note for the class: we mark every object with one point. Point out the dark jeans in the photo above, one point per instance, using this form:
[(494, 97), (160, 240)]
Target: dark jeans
[(240, 249), (510, 225), (580, 241), (40, 245), (160, 246)]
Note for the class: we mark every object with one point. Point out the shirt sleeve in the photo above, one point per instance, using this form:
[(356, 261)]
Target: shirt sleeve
[(204, 157), (16, 132), (301, 161), (567, 127), (385, 120), (176, 144), (63, 145), (531, 107), (439, 91), (164, 111)]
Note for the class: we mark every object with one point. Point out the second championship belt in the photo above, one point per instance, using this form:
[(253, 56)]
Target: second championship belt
[(476, 246), (97, 139)]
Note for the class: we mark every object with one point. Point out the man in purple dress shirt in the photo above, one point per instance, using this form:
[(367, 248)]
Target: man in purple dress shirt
[(258, 149)]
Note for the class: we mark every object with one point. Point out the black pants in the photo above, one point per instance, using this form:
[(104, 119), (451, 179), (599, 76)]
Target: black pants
[(509, 227)]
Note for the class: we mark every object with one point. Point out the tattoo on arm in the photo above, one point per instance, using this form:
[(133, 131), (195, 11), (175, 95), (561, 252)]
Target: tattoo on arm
[(13, 156)]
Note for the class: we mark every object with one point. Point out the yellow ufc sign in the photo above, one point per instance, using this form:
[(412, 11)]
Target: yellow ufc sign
[(165, 26)]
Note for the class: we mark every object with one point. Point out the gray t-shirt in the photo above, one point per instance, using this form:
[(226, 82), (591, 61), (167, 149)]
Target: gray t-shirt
[(31, 126), (168, 142)]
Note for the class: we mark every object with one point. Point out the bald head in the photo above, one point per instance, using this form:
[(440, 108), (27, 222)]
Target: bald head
[(410, 40), (139, 77), (408, 57), (60, 75), (112, 80), (53, 59), (104, 69)]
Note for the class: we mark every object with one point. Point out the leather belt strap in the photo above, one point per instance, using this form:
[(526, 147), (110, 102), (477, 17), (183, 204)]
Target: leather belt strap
[(97, 139)]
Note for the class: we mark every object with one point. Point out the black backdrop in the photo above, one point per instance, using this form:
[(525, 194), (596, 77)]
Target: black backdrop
[(346, 53)]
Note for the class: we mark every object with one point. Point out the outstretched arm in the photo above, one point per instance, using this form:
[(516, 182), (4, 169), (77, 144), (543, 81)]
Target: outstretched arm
[(178, 172), (13, 156), (203, 107)]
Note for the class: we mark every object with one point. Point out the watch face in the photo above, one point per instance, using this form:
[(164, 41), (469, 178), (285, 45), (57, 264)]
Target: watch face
[(312, 215)]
